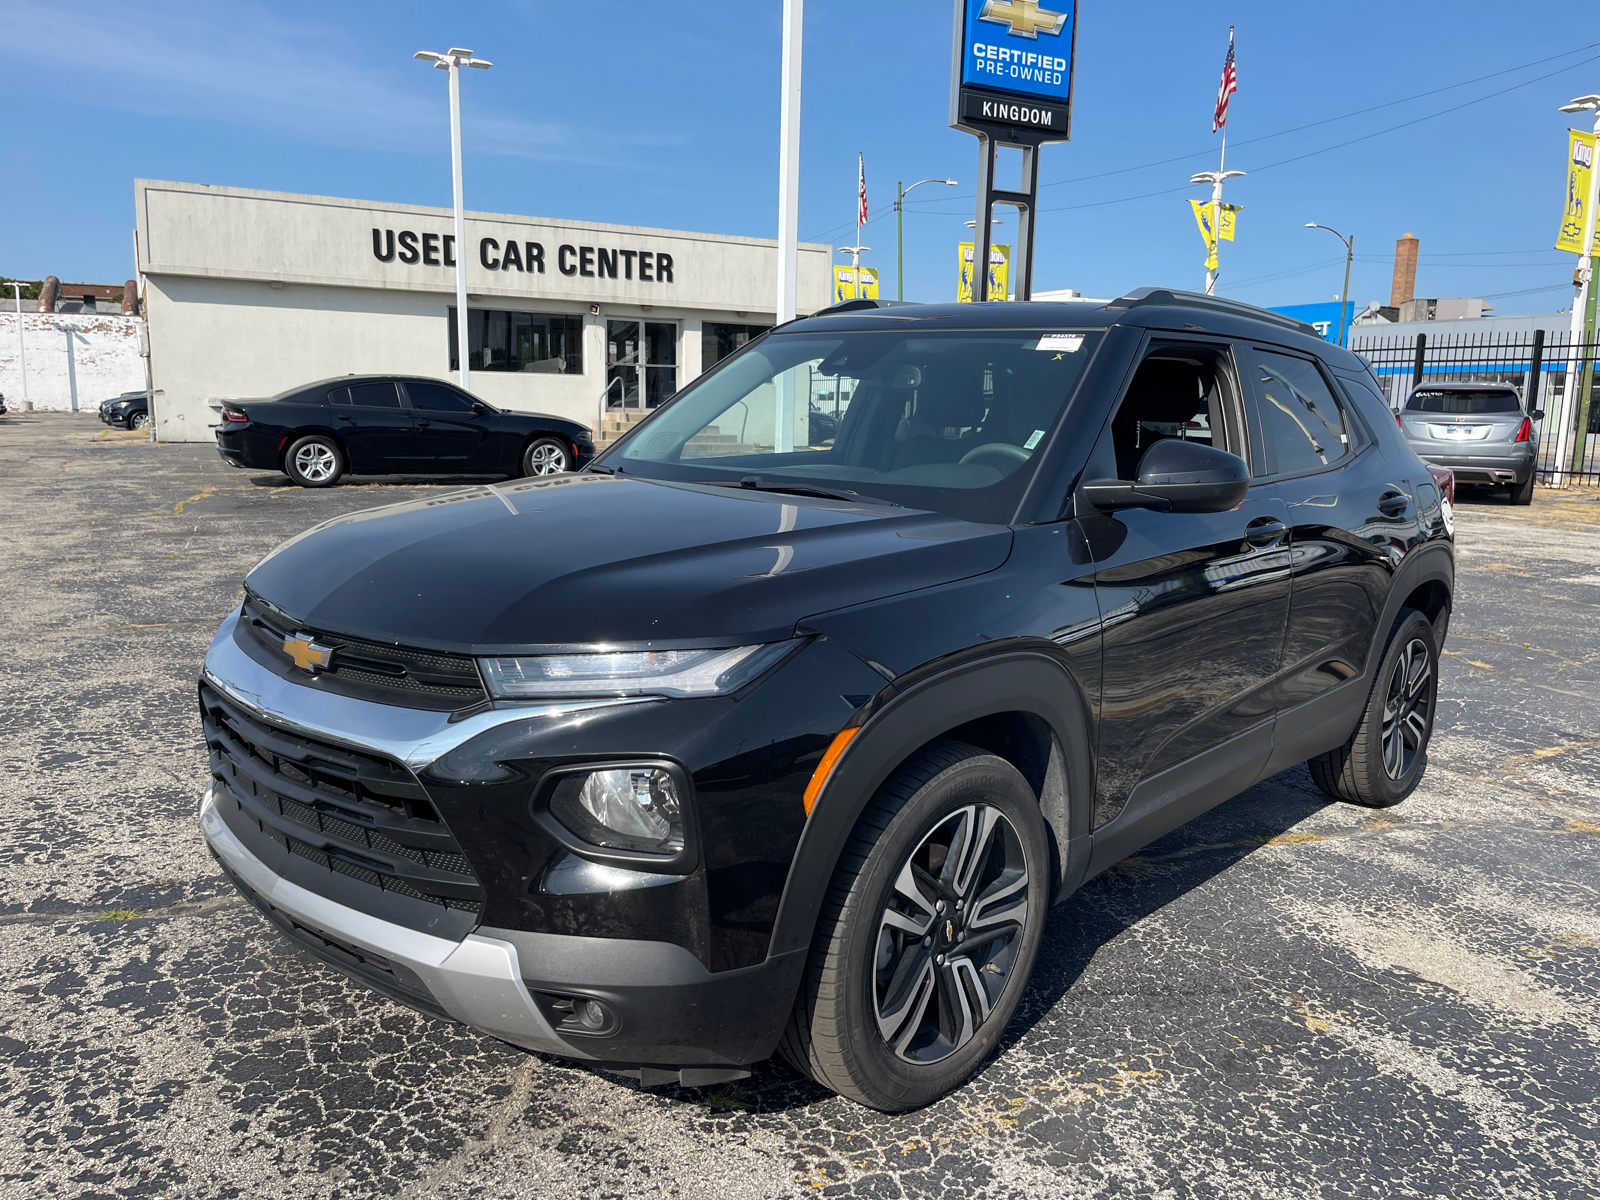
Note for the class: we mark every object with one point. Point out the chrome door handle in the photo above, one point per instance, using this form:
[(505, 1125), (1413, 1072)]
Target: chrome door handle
[(1264, 531)]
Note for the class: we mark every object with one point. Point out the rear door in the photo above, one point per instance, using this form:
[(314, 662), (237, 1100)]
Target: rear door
[(376, 427), (450, 435)]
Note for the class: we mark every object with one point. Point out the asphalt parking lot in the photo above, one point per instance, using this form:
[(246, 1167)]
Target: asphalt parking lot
[(1286, 997)]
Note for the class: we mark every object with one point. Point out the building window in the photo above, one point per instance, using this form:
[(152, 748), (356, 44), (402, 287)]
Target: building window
[(717, 341), (539, 343)]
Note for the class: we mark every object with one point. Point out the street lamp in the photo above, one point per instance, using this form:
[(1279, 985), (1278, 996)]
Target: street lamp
[(1583, 313), (22, 353), (901, 192), (452, 61), (1349, 255), (1215, 178)]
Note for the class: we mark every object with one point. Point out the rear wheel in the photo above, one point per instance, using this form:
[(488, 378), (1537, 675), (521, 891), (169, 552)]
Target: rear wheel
[(314, 461), (1381, 763), (546, 456), (928, 934), (1521, 493)]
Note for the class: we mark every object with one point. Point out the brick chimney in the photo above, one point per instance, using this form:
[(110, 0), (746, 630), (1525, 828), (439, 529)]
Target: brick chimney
[(1404, 285)]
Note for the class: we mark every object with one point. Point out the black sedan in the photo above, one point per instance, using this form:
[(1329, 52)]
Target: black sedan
[(394, 425), (131, 410)]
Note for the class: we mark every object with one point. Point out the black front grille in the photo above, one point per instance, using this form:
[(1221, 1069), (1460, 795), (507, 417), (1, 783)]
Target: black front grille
[(375, 670), (355, 814)]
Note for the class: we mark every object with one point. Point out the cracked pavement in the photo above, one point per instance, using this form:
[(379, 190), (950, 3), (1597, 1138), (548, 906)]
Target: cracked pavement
[(1286, 997)]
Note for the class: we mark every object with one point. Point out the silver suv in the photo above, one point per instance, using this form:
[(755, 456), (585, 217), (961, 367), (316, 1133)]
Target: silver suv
[(1479, 430)]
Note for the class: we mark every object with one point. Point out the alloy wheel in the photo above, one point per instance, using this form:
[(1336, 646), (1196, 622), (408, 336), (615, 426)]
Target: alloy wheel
[(949, 934), (546, 459), (315, 462), (1407, 710)]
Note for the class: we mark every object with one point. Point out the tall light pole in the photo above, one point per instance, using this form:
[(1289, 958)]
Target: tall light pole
[(1215, 178), (1580, 367), (789, 163), (1349, 256), (901, 192), (453, 60), (22, 354)]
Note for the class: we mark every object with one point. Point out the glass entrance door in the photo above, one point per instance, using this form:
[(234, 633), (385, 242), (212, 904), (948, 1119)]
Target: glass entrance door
[(640, 348)]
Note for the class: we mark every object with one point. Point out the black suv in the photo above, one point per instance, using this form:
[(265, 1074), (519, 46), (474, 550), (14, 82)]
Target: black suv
[(738, 743), (394, 425)]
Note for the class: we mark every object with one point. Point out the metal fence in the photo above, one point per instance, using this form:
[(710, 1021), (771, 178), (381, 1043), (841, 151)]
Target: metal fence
[(1538, 364)]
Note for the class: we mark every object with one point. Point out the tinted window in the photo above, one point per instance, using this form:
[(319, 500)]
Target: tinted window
[(366, 395), (437, 397), (1299, 415), (949, 421), (541, 343), (1461, 401), (1177, 392)]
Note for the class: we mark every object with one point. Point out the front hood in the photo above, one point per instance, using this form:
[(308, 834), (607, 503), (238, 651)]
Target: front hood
[(594, 558)]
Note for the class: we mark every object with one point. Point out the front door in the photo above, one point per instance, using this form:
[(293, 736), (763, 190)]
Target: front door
[(1193, 606), (641, 364), (375, 426), (451, 436)]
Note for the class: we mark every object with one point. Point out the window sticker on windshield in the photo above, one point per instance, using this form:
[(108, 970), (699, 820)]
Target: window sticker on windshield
[(1069, 342), (1034, 440)]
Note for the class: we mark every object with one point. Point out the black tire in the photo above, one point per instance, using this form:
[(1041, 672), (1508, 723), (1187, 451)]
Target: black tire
[(546, 456), (139, 420), (1381, 763), (869, 970), (1521, 493), (314, 461)]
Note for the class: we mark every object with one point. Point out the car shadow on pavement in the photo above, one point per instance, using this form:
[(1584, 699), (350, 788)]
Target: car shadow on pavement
[(275, 480)]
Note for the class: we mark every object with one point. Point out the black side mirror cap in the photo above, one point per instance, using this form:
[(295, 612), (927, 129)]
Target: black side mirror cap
[(1176, 476), (1537, 414), (479, 409)]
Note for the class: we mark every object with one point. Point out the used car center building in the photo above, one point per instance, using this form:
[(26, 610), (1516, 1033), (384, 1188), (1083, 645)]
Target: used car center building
[(249, 293)]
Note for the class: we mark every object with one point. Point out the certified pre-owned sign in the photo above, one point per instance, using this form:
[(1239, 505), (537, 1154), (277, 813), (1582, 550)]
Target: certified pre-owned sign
[(1014, 63)]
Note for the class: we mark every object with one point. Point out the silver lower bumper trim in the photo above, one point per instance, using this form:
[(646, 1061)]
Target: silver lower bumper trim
[(478, 981)]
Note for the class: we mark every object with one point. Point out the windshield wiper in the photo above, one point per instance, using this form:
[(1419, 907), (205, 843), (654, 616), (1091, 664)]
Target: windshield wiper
[(754, 483)]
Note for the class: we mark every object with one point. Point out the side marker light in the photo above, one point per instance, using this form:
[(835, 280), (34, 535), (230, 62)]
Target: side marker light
[(825, 767)]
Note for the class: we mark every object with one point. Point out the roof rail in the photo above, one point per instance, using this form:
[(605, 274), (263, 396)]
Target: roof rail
[(845, 306), (1173, 298)]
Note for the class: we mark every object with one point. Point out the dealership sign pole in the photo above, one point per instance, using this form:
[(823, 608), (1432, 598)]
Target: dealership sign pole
[(1011, 85), (789, 163), (453, 60)]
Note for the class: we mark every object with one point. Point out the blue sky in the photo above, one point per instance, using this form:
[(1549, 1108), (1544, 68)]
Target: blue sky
[(665, 114)]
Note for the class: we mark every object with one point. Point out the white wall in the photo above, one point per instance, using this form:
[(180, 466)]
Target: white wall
[(104, 357)]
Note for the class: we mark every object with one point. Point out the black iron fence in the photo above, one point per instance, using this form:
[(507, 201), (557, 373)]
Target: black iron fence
[(1538, 364)]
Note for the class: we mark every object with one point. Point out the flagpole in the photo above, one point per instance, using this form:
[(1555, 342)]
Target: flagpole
[(1215, 178)]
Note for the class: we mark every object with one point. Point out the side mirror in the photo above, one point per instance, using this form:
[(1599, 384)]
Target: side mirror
[(479, 409), (1176, 476), (1537, 414)]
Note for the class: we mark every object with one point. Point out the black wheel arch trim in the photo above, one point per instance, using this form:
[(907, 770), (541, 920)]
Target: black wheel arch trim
[(1028, 681)]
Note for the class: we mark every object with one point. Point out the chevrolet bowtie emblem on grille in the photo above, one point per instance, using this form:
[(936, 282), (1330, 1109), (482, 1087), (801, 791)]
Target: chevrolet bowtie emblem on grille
[(1025, 17), (307, 654)]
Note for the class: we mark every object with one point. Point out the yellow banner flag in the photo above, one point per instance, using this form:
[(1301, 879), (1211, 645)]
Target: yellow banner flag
[(1227, 219), (999, 272), (846, 286), (1580, 171)]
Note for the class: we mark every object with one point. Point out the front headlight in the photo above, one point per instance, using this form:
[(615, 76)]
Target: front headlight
[(641, 673)]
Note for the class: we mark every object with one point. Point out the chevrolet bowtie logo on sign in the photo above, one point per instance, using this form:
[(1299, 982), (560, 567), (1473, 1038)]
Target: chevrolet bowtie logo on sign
[(306, 653), (1025, 17)]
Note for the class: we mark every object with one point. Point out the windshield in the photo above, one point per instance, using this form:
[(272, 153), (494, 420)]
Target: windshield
[(1463, 401), (952, 422)]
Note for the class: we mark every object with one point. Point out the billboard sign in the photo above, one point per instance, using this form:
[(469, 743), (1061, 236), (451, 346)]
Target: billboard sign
[(1324, 317), (1013, 65)]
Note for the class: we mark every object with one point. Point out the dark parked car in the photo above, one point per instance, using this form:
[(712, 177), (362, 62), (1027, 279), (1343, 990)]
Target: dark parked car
[(732, 745), (131, 410), (394, 425), (1480, 431)]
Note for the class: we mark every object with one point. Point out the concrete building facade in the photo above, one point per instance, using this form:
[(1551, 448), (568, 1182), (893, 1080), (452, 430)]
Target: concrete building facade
[(248, 293)]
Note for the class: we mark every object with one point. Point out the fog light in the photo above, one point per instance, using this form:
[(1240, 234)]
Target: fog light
[(627, 809), (591, 1016)]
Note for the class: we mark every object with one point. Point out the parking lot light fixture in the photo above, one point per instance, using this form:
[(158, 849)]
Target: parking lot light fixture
[(901, 192), (453, 60), (1349, 256)]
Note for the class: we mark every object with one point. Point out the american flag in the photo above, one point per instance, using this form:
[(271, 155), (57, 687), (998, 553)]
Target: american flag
[(1228, 86), (861, 179)]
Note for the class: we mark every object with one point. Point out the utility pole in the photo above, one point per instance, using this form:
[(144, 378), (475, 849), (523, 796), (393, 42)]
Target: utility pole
[(452, 61), (1349, 257), (901, 192), (22, 353), (789, 163), (1580, 368)]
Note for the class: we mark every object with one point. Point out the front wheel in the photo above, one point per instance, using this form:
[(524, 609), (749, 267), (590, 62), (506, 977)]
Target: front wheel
[(546, 456), (1381, 763), (314, 462), (138, 421), (928, 933)]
